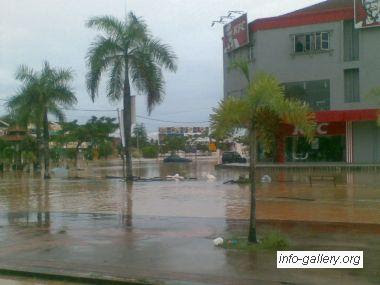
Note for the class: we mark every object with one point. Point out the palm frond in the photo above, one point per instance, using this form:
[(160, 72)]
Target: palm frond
[(112, 26), (116, 80), (57, 112), (136, 31), (101, 53), (263, 109), (241, 65), (25, 74), (161, 53), (147, 78)]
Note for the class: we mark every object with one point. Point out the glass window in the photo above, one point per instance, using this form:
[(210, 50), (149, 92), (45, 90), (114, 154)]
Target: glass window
[(317, 41), (308, 42), (312, 42), (299, 43), (351, 41), (351, 86), (325, 41), (315, 93)]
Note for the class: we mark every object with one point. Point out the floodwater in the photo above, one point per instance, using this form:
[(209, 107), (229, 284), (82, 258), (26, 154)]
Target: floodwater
[(355, 197), (86, 222)]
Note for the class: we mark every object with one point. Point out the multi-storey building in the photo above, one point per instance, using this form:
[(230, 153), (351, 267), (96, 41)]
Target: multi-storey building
[(182, 132), (321, 56)]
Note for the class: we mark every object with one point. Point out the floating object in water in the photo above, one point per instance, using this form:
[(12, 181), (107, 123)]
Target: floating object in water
[(210, 176), (60, 172), (266, 179), (175, 177), (242, 180), (218, 241)]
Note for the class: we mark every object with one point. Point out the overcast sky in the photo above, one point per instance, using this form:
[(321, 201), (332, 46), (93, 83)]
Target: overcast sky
[(32, 31)]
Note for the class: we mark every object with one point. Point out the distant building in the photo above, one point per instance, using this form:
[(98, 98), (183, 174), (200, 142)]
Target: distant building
[(324, 56), (190, 132), (3, 127)]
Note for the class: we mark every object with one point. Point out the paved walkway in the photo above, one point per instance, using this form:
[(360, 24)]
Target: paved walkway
[(302, 165), (158, 250)]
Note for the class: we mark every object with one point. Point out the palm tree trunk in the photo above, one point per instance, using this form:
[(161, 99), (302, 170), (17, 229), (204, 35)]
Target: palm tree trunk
[(46, 145), (127, 121), (252, 152), (39, 147)]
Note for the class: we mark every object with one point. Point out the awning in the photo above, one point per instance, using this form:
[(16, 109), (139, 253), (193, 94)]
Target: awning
[(347, 115)]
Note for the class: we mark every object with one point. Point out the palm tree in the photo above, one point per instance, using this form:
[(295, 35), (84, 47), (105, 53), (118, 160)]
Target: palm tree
[(263, 104), (42, 93), (131, 56)]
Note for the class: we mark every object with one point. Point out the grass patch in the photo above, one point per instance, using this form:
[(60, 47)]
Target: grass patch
[(273, 241)]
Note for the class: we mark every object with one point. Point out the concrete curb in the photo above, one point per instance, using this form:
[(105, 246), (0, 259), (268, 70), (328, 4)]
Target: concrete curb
[(71, 278)]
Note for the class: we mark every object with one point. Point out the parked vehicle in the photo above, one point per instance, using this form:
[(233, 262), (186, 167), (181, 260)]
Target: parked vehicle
[(233, 157), (176, 159)]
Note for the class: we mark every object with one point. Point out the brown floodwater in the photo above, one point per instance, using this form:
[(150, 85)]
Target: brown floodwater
[(355, 198), (85, 221)]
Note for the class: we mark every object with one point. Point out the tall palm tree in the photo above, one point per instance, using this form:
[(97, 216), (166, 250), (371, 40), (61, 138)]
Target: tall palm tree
[(131, 56), (42, 93), (261, 111)]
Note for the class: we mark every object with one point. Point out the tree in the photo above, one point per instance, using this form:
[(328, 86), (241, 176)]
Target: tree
[(242, 66), (140, 137), (43, 93), (96, 133), (174, 143), (133, 57), (264, 100)]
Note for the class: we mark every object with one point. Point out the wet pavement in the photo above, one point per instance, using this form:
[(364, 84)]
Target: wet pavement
[(94, 227)]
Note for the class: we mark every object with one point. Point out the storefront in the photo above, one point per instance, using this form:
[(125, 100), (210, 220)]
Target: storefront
[(341, 136)]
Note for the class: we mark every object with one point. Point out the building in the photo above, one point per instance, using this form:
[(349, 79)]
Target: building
[(189, 132), (3, 128), (327, 55)]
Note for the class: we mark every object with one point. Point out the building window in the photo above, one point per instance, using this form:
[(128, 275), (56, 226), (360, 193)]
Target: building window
[(351, 86), (315, 93), (325, 43), (311, 42), (351, 41)]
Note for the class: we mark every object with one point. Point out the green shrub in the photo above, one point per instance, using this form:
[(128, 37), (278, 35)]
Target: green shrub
[(150, 151), (272, 241)]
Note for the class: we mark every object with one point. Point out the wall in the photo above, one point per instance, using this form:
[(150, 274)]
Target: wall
[(366, 139), (273, 53)]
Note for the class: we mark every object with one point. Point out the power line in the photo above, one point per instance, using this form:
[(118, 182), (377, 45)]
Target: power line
[(173, 122), (138, 116), (92, 110)]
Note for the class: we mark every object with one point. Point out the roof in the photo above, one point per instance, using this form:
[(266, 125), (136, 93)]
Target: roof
[(324, 6), (4, 123), (324, 12)]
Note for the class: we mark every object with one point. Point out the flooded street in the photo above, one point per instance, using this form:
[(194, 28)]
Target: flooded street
[(90, 223), (355, 197)]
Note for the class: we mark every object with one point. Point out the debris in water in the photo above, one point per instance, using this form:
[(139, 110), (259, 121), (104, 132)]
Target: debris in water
[(218, 241), (266, 179)]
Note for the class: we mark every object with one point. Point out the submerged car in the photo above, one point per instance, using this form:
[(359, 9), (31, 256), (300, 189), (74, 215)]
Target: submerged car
[(176, 159), (233, 157)]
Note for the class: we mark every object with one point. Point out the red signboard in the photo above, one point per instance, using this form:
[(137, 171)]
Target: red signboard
[(323, 129), (236, 34), (367, 13)]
